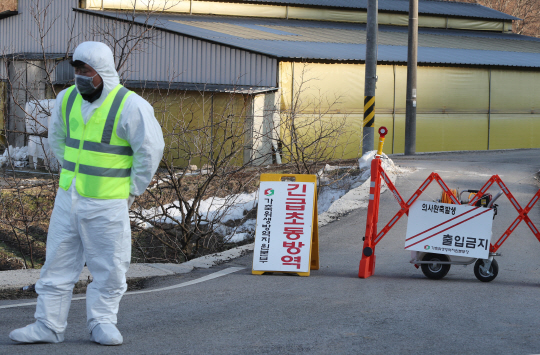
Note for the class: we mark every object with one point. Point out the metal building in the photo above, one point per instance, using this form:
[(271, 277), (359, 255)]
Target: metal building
[(477, 81)]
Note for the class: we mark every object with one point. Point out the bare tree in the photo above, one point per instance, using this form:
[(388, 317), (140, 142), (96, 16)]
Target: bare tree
[(205, 170), (26, 203), (183, 214), (312, 133), (203, 165)]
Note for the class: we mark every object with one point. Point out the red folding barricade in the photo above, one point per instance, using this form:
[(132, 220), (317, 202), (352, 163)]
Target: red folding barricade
[(372, 238)]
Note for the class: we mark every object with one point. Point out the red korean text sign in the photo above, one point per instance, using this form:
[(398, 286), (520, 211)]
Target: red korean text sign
[(449, 229), (286, 222)]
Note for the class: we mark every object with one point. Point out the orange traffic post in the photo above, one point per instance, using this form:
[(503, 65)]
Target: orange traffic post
[(367, 263)]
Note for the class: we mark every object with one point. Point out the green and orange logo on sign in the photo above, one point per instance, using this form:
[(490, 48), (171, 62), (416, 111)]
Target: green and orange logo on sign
[(268, 192)]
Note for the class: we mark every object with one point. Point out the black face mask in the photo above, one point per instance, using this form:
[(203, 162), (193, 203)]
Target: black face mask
[(87, 89), (93, 96)]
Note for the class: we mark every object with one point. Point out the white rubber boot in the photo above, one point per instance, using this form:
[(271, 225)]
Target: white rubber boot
[(36, 333), (106, 334)]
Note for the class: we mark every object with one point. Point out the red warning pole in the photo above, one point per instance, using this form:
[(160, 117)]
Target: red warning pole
[(367, 263)]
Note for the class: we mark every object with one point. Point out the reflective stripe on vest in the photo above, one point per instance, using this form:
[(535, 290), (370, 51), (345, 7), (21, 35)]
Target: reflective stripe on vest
[(102, 169)]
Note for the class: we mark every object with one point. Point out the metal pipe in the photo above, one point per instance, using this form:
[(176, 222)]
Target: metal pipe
[(370, 80), (212, 128), (489, 110), (394, 113), (499, 194), (412, 58), (444, 262)]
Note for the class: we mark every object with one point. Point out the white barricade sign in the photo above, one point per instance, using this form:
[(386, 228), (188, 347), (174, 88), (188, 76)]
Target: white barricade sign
[(284, 226), (442, 228)]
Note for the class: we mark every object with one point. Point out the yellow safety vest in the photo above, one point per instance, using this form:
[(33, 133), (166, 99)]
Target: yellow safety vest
[(94, 154)]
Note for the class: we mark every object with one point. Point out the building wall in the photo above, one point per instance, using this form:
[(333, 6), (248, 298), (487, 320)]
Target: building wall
[(168, 57), (297, 12), (457, 108), (21, 33), (199, 127)]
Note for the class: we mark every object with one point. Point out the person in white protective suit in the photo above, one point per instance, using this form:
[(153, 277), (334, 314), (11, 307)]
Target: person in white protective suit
[(110, 145)]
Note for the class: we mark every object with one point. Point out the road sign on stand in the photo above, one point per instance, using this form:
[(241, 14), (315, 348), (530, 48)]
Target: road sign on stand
[(287, 233), (449, 229)]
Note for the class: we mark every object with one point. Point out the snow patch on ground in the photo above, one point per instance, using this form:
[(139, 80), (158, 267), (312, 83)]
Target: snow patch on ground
[(327, 197), (228, 208), (336, 198), (388, 164), (18, 156)]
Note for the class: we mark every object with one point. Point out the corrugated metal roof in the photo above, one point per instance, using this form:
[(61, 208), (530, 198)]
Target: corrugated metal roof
[(239, 89), (427, 7), (6, 14), (358, 36), (309, 40), (33, 56)]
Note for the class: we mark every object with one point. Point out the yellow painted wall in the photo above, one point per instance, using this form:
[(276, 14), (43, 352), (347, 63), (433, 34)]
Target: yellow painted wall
[(515, 91), (319, 138), (304, 13), (510, 131), (452, 103), (450, 132), (449, 90), (436, 132), (187, 118), (477, 25)]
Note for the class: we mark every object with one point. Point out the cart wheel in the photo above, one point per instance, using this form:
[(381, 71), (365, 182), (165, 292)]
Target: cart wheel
[(435, 271), (483, 275)]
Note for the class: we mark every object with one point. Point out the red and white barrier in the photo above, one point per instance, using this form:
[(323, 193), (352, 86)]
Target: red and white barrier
[(372, 237)]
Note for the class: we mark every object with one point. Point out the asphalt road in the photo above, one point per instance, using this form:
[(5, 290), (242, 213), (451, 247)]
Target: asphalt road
[(396, 311)]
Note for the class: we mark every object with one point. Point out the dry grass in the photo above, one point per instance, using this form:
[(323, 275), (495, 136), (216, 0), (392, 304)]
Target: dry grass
[(8, 5), (36, 197)]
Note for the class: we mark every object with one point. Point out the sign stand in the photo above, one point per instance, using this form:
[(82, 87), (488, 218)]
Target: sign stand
[(284, 180)]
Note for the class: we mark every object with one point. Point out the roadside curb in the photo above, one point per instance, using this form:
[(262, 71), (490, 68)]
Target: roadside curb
[(15, 279), (354, 199)]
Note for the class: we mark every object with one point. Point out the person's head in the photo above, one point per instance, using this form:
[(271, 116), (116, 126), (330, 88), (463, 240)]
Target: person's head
[(95, 70)]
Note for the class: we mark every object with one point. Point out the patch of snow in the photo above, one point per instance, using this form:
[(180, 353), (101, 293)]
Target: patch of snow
[(352, 200), (334, 200), (237, 237), (241, 233), (214, 208), (388, 164), (365, 161), (18, 156), (358, 195), (327, 196)]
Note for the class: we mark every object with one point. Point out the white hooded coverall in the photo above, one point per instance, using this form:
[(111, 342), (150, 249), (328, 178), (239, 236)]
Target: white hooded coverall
[(90, 230)]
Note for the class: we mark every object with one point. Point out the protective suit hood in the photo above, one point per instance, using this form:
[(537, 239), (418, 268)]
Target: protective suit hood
[(100, 57)]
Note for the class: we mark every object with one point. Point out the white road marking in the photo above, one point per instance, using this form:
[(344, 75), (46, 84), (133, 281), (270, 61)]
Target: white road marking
[(184, 284)]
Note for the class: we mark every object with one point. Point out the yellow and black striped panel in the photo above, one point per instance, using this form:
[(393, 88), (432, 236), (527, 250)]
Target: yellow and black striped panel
[(369, 111)]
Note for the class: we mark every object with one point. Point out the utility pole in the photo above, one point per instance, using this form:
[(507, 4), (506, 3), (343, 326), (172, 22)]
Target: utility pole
[(370, 77), (412, 56)]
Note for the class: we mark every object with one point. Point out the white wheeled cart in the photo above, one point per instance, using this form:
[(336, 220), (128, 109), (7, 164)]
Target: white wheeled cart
[(436, 265)]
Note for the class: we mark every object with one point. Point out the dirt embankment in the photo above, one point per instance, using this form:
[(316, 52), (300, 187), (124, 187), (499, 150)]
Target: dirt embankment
[(8, 5)]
